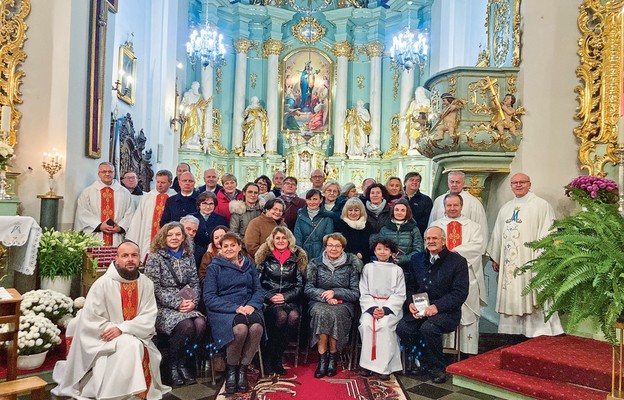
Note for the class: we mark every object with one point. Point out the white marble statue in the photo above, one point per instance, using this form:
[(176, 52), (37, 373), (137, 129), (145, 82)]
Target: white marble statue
[(255, 128), (416, 116)]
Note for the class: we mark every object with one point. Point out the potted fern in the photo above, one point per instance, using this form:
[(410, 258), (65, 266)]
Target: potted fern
[(580, 271)]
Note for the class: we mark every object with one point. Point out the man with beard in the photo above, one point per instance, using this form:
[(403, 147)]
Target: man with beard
[(111, 354)]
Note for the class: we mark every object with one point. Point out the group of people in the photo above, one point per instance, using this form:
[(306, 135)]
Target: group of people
[(248, 264)]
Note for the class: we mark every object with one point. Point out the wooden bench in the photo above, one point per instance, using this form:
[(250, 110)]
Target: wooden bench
[(33, 384)]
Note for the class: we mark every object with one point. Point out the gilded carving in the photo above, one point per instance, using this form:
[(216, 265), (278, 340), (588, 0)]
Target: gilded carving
[(357, 175), (242, 46), (600, 93), (12, 36), (499, 36), (452, 80), (394, 136), (219, 79), (195, 165), (395, 84), (375, 49), (342, 49), (511, 84), (217, 117), (308, 30), (272, 47), (477, 92), (360, 81), (517, 34), (475, 187), (252, 173)]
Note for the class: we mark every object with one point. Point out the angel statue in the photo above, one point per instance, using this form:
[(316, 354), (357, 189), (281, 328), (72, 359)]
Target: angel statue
[(505, 115), (255, 128), (357, 128), (449, 118)]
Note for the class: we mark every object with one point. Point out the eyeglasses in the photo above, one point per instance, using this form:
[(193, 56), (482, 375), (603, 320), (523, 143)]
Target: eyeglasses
[(520, 182), (207, 204), (334, 246), (290, 183), (317, 177)]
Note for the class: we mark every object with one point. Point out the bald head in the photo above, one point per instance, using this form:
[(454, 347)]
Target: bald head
[(187, 183), (520, 184), (128, 260)]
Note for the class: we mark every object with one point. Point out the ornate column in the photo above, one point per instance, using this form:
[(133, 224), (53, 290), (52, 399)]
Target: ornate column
[(207, 74), (375, 52), (242, 46), (272, 48), (343, 51), (407, 87)]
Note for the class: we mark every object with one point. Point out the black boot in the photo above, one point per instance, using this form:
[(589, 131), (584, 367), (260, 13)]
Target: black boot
[(174, 375), (230, 379), (242, 384), (268, 363), (278, 367), (187, 375), (331, 365), (321, 370)]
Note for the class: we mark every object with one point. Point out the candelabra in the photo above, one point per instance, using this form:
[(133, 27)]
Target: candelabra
[(51, 164)]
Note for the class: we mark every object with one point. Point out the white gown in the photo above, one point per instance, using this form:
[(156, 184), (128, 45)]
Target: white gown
[(111, 370), (471, 248), (519, 221), (89, 208), (381, 285)]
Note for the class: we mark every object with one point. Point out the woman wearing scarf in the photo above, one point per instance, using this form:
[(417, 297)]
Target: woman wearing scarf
[(281, 265), (333, 201), (377, 207), (261, 227), (243, 211), (332, 286), (313, 223), (227, 194), (354, 226), (171, 266)]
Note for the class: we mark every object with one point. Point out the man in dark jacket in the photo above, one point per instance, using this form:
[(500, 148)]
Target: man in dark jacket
[(420, 203), (443, 275), (292, 201), (183, 203)]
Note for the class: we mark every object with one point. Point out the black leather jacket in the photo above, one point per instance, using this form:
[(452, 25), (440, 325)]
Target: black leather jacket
[(286, 279)]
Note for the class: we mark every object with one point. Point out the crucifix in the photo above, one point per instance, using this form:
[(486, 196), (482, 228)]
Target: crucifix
[(490, 85)]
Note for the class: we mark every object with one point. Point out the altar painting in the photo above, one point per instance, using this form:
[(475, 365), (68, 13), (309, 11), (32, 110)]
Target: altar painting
[(307, 81)]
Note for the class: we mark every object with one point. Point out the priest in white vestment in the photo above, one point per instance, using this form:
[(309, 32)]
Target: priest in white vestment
[(382, 294), (524, 219), (472, 209), (146, 219), (105, 208), (464, 237), (112, 355)]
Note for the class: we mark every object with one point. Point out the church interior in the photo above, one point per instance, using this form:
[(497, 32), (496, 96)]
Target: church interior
[(354, 88)]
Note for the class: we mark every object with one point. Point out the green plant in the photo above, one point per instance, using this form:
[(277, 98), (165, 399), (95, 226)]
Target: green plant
[(60, 253), (580, 271)]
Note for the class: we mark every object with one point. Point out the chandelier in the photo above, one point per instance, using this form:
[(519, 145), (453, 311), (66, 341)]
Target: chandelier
[(409, 48), (206, 46), (313, 6)]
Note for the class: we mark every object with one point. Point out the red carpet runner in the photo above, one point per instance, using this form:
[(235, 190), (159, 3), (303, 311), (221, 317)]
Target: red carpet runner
[(561, 367), (300, 382)]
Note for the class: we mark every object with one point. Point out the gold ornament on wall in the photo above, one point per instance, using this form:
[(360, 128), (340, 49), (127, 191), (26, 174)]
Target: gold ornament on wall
[(308, 30), (343, 49), (374, 49), (395, 84), (217, 117), (360, 81), (600, 93), (242, 46), (272, 47), (254, 80), (219, 79), (12, 36)]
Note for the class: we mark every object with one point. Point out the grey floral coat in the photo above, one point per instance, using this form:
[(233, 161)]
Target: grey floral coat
[(166, 289)]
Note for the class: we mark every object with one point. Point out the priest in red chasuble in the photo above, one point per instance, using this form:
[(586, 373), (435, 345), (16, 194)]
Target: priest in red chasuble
[(464, 237), (112, 355), (105, 208)]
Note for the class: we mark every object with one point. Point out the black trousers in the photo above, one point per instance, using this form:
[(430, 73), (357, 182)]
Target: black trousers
[(426, 332)]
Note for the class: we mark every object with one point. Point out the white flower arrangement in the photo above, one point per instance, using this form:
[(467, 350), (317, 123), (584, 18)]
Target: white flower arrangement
[(79, 302), (6, 152), (36, 334), (47, 303)]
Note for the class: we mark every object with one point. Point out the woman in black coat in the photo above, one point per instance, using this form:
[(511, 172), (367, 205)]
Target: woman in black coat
[(281, 265), (377, 207), (354, 226)]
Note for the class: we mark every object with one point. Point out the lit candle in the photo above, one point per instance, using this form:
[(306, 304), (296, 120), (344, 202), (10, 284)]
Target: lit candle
[(5, 119), (620, 128), (45, 157)]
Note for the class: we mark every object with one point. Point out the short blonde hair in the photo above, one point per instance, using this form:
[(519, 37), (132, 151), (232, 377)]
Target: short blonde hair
[(336, 236), (329, 183), (351, 203), (228, 177)]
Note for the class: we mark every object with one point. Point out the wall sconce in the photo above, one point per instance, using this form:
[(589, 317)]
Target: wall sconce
[(180, 119), (118, 84)]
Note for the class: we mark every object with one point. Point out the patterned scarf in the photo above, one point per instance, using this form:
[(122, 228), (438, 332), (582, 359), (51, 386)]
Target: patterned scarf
[(376, 209), (333, 264)]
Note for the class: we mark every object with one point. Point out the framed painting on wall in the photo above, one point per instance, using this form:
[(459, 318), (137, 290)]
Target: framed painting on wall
[(127, 75), (307, 82)]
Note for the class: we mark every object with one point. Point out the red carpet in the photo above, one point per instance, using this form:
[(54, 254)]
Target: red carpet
[(300, 383), (563, 367), (57, 354)]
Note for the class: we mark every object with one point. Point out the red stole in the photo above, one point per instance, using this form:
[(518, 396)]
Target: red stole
[(453, 235), (161, 199), (107, 211), (130, 309)]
